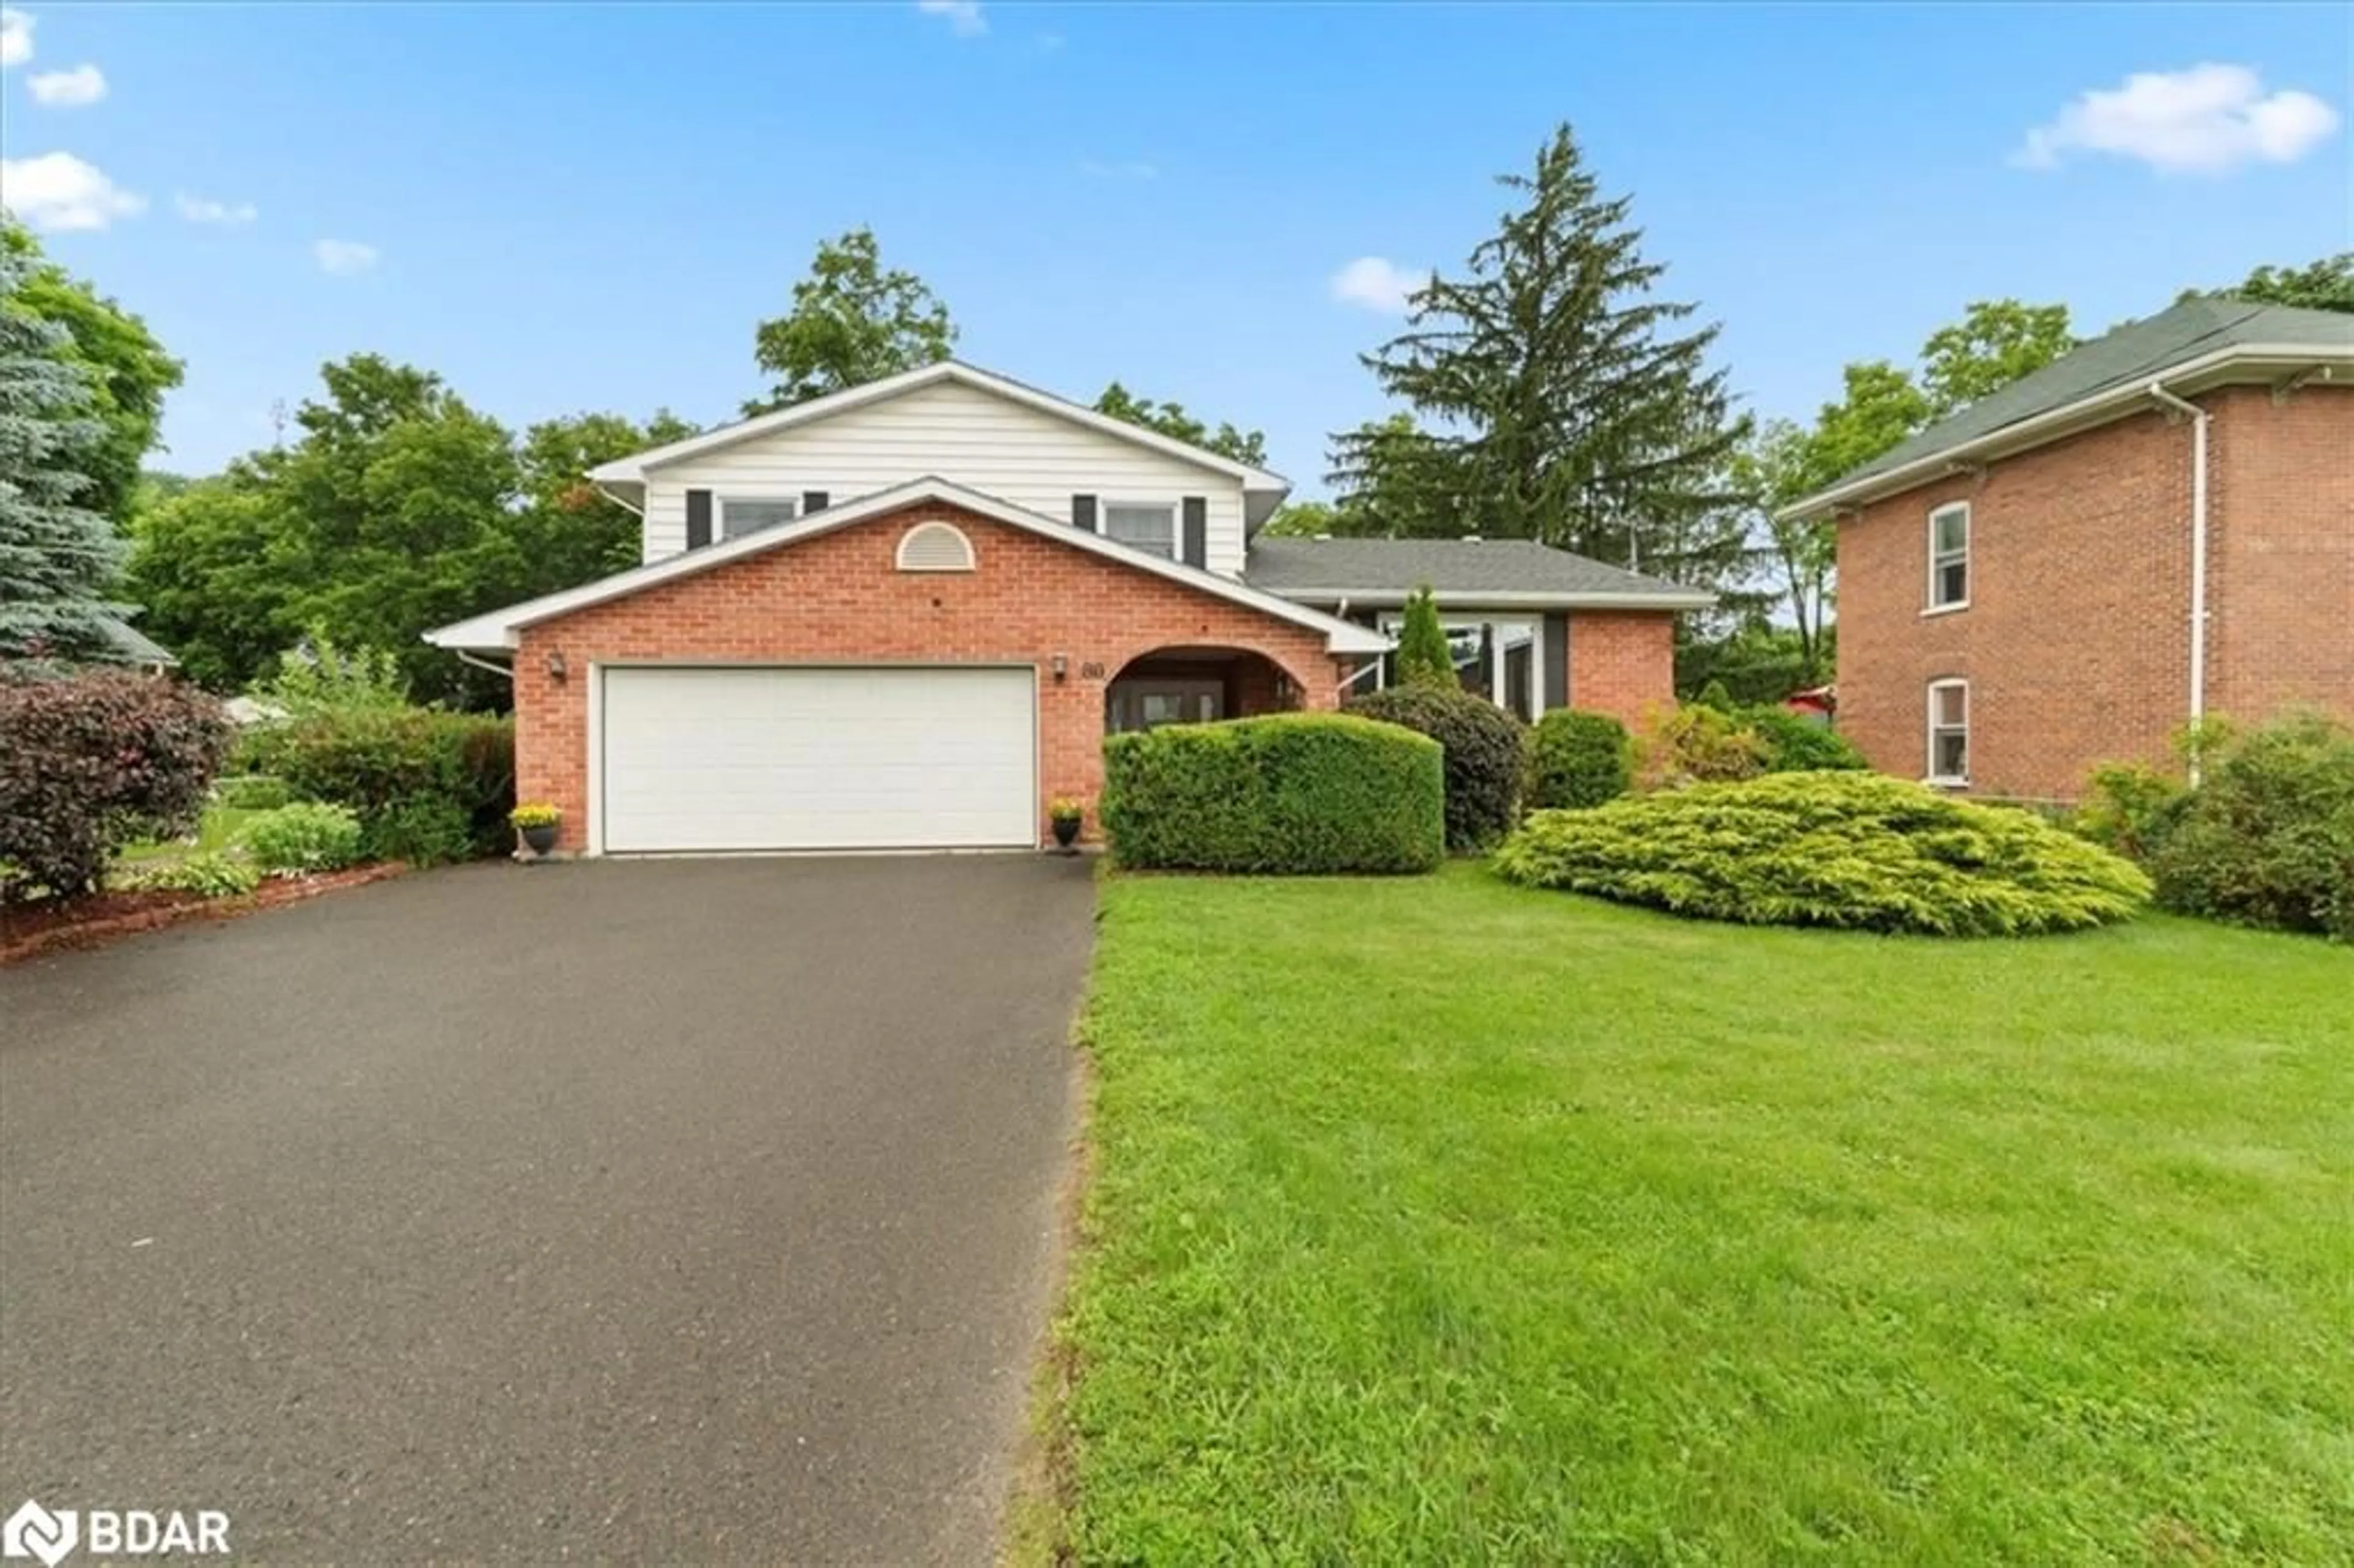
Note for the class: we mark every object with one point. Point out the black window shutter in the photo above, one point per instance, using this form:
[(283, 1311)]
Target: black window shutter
[(813, 501), (1196, 535), (1083, 513), (698, 519)]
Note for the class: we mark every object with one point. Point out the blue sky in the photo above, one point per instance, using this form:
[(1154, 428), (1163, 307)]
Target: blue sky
[(578, 206)]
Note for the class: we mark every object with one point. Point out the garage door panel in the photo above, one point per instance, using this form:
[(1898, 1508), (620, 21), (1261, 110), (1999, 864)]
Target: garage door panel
[(744, 757)]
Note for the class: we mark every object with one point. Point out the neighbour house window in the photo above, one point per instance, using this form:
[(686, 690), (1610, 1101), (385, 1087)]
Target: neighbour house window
[(1949, 556), (740, 514), (1949, 732), (1146, 527), (1498, 660)]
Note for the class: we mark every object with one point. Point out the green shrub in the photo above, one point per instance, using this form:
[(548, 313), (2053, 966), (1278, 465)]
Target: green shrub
[(252, 792), (1294, 793), (1796, 744), (422, 832), (1578, 759), (2129, 808), (93, 760), (309, 835), (1696, 745), (377, 760), (1425, 657), (211, 875), (2267, 838), (1486, 750), (1829, 849)]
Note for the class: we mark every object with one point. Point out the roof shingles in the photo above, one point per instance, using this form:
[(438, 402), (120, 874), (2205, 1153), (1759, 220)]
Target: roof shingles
[(1461, 568)]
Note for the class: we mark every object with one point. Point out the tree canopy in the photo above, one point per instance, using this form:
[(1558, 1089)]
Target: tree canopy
[(852, 323), (130, 372), (1555, 395), (2324, 285), (1994, 343), (57, 554), (1171, 419)]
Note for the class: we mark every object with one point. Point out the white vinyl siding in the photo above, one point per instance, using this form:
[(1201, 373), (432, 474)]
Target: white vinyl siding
[(732, 758), (961, 433)]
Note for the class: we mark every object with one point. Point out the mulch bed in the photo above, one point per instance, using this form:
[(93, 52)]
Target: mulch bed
[(32, 928)]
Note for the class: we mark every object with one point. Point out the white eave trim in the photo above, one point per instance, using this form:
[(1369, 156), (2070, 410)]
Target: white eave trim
[(502, 628), (1464, 601), (2052, 423), (634, 466)]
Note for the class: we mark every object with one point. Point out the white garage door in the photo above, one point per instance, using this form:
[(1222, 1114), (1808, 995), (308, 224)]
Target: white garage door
[(760, 758)]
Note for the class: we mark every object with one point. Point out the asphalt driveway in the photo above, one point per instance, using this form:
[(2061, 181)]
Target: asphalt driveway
[(687, 1211)]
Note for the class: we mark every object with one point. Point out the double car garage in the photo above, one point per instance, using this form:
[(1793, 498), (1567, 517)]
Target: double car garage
[(687, 757)]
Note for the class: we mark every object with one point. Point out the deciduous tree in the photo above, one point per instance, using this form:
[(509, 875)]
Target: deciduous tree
[(1994, 343), (852, 323)]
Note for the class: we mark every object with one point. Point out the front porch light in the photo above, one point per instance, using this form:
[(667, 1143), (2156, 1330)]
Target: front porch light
[(1061, 665)]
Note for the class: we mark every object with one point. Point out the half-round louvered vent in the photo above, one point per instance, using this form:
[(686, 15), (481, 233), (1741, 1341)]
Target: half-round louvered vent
[(935, 547)]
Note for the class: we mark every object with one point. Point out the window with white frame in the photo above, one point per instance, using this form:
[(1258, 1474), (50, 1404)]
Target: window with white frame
[(741, 514), (1949, 556), (1145, 525), (1949, 732)]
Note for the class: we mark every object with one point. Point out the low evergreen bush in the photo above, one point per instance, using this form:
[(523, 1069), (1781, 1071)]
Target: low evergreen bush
[(1696, 745), (1829, 849), (1292, 793), (1578, 759), (1486, 750), (307, 836)]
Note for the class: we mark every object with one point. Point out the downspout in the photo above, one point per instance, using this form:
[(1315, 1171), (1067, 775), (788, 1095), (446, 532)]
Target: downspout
[(2199, 418)]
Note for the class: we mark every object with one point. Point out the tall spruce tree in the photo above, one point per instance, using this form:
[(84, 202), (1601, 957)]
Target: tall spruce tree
[(58, 558), (1559, 401)]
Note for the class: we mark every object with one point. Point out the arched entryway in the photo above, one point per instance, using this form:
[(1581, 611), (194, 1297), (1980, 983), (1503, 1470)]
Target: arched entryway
[(1195, 685)]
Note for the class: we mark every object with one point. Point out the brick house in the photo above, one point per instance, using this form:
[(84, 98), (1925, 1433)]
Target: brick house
[(2156, 527), (904, 616)]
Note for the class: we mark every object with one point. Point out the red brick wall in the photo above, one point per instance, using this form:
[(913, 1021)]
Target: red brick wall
[(2280, 562), (2076, 641), (839, 597), (1622, 663)]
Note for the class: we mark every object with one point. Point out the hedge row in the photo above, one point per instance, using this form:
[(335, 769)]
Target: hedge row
[(1297, 794), (1485, 749), (426, 786)]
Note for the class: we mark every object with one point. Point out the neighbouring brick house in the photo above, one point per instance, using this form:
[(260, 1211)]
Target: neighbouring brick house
[(904, 616), (2018, 585)]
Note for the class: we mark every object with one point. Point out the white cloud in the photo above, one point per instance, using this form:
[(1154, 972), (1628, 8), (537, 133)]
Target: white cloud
[(1133, 169), (344, 257), (56, 192), (15, 37), (68, 88), (2207, 120), (1378, 284), (205, 209), (964, 17)]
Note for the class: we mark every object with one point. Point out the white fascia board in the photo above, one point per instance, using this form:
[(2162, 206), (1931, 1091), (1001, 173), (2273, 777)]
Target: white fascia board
[(502, 628), (634, 466), (2054, 423)]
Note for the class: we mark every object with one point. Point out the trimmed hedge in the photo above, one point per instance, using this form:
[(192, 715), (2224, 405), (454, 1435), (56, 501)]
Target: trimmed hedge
[(1296, 794), (90, 761), (1486, 750), (408, 772), (1829, 849), (1578, 759), (1794, 744)]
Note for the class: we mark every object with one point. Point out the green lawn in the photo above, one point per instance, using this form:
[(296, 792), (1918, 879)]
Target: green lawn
[(1438, 1221)]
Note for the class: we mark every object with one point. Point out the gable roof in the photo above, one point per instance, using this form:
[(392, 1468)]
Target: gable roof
[(633, 466), (2101, 379), (500, 628), (1486, 571)]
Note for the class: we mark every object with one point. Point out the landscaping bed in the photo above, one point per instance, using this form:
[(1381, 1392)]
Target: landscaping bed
[(1439, 1221), (46, 925)]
